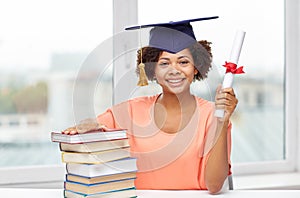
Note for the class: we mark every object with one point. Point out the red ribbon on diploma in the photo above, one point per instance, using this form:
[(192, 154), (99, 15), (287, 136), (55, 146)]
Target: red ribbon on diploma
[(232, 68)]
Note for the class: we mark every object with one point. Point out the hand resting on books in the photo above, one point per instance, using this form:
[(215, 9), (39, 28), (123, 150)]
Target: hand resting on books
[(84, 126)]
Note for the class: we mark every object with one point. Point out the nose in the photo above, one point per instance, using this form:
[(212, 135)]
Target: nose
[(174, 69)]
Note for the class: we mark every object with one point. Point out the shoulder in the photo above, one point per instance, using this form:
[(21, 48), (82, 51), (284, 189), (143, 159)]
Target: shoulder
[(202, 103), (143, 100), (206, 108), (134, 104)]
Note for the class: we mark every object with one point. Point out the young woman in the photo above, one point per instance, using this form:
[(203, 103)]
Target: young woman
[(177, 140)]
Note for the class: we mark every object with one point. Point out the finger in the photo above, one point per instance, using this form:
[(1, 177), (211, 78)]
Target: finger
[(65, 132), (222, 103), (105, 128), (70, 130), (219, 88), (229, 101), (218, 91), (226, 104), (226, 96), (73, 132), (228, 90)]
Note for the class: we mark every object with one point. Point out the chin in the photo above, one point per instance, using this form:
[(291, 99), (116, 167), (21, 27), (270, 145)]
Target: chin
[(178, 90)]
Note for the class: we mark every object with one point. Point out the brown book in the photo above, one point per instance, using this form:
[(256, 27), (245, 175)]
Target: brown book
[(105, 178), (99, 187), (95, 157), (95, 146)]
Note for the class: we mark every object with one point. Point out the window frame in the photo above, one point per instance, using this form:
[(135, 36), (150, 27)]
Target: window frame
[(38, 174), (291, 163), (124, 13)]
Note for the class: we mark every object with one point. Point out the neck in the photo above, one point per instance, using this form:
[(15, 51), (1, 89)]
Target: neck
[(172, 101)]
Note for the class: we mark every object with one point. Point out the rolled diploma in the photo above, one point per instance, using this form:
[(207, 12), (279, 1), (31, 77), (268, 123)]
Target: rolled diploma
[(234, 58)]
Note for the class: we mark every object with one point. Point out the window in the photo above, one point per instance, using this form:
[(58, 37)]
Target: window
[(43, 46), (259, 133)]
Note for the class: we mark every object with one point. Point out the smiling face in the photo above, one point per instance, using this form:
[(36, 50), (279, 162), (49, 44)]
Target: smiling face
[(175, 72)]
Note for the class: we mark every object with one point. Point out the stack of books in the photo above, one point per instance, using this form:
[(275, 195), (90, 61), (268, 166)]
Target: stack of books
[(98, 164)]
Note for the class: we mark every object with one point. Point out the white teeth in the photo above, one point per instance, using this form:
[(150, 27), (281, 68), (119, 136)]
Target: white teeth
[(175, 81)]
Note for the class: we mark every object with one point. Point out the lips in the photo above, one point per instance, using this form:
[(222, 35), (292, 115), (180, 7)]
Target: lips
[(175, 82)]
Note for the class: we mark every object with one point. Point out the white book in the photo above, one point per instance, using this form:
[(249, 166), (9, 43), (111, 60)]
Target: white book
[(125, 193), (92, 136), (108, 168)]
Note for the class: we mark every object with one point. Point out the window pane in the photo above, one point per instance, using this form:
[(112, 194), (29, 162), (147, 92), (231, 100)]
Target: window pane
[(43, 46), (258, 123)]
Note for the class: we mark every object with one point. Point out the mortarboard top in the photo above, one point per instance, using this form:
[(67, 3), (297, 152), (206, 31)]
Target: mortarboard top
[(172, 36)]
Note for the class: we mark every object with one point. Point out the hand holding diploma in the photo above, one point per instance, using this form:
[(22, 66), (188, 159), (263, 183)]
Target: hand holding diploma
[(231, 65)]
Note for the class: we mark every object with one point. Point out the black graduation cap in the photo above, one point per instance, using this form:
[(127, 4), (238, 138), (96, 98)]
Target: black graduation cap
[(173, 36)]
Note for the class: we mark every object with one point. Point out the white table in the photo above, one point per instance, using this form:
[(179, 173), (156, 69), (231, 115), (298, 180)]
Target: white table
[(58, 193)]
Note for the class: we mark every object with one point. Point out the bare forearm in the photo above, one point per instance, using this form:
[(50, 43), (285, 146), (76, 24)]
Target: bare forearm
[(217, 165)]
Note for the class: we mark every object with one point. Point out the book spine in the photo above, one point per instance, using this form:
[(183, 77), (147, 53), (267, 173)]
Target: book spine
[(67, 169), (66, 177), (62, 157)]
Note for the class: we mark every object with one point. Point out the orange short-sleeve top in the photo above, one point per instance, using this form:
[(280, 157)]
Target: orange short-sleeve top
[(166, 161)]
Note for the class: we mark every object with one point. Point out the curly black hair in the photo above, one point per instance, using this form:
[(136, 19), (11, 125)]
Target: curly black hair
[(201, 52)]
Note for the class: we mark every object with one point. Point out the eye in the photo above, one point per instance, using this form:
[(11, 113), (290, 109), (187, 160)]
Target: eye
[(163, 63), (184, 62)]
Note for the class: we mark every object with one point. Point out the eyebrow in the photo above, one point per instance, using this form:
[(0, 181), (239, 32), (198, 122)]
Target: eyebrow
[(164, 58), (180, 57), (184, 56)]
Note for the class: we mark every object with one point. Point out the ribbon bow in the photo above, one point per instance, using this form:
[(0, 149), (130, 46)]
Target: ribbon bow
[(232, 68)]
